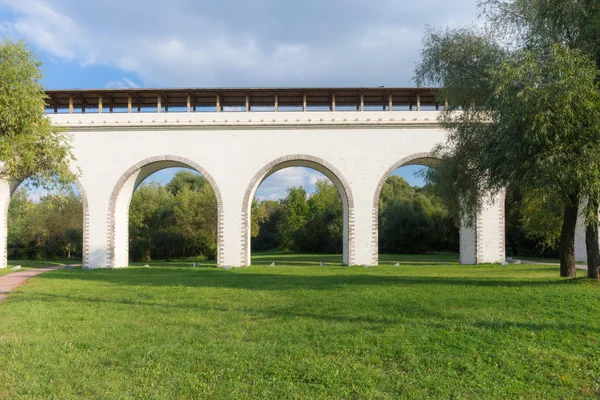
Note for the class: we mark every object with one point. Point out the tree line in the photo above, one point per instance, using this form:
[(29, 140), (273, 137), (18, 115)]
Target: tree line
[(411, 220), (49, 229), (179, 220)]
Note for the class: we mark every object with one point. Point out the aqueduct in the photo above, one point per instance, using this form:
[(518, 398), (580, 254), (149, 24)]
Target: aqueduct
[(236, 138)]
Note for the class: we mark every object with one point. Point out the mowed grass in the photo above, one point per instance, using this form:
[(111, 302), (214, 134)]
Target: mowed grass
[(303, 331)]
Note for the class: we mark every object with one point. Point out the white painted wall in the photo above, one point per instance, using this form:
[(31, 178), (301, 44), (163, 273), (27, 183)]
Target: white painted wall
[(491, 231), (580, 246), (233, 148)]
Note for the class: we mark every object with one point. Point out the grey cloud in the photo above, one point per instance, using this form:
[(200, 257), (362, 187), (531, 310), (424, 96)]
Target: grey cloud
[(242, 43)]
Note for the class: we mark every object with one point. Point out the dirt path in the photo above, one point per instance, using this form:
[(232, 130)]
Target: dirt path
[(9, 282)]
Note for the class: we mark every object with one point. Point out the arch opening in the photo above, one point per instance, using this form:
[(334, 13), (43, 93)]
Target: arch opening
[(42, 225), (325, 192), (410, 219), (171, 217)]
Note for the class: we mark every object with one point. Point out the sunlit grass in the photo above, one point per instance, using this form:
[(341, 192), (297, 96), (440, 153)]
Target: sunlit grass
[(302, 331)]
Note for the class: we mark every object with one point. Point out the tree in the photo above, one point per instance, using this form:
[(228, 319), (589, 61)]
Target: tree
[(186, 179), (531, 120), (413, 220), (179, 219), (539, 23), (325, 230), (46, 229), (151, 212), (295, 215), (30, 147), (269, 216)]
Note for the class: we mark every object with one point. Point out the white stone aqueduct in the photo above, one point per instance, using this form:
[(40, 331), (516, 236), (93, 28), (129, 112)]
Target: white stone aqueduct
[(356, 145)]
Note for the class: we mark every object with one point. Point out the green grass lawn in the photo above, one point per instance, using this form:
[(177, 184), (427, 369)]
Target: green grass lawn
[(294, 259), (303, 331)]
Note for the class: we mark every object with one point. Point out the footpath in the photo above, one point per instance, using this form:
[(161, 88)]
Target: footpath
[(9, 282), (579, 266)]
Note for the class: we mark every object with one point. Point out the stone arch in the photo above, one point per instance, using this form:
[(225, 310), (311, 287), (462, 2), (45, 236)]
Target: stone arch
[(424, 158), (161, 162), (318, 164), (85, 248)]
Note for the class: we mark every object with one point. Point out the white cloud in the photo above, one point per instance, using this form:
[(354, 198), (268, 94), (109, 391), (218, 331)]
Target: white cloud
[(124, 83), (275, 186), (259, 43)]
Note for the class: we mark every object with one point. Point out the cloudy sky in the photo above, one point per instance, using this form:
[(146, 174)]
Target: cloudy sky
[(229, 43)]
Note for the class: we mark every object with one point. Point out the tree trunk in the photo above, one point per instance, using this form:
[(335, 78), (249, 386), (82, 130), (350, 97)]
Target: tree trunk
[(591, 240), (567, 237)]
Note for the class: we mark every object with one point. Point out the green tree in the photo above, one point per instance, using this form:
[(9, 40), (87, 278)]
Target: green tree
[(542, 23), (413, 220), (151, 212), (46, 229), (269, 215), (295, 215), (179, 219), (186, 179), (325, 229), (61, 219), (532, 121), (30, 147)]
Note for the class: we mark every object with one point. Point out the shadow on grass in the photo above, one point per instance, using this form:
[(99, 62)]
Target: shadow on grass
[(294, 259), (219, 278), (403, 312)]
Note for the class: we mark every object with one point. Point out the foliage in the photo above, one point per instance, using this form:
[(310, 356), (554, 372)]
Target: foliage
[(51, 228), (418, 332), (533, 223), (30, 147), (540, 23), (302, 223), (175, 220), (411, 220), (529, 117)]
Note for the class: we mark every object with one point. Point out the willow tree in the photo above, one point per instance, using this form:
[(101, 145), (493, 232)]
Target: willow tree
[(30, 147), (540, 23), (526, 116)]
